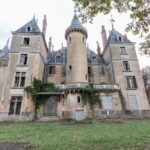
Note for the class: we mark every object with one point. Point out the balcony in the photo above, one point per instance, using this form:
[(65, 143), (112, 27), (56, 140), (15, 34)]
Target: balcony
[(83, 85)]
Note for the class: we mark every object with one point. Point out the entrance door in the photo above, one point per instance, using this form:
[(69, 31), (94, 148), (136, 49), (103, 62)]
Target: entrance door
[(50, 106)]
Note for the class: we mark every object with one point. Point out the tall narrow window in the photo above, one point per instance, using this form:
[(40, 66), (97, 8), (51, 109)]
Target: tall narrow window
[(51, 70), (89, 71), (123, 50), (23, 59), (15, 105), (102, 71), (26, 41), (70, 67), (20, 79), (78, 99), (126, 66), (131, 82)]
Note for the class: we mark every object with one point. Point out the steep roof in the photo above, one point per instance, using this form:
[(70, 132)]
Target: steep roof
[(31, 26), (116, 37), (92, 57), (75, 26), (4, 52)]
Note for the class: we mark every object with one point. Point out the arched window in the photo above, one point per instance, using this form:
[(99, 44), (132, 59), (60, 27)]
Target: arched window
[(78, 99)]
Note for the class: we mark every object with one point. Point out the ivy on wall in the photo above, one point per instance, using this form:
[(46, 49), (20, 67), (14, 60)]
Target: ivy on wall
[(91, 96), (39, 86)]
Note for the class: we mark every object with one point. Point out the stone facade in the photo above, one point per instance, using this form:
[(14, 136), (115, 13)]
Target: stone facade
[(71, 69)]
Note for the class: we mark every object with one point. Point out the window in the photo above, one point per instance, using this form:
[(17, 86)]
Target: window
[(69, 40), (70, 67), (126, 66), (102, 71), (122, 50), (15, 105), (26, 41), (28, 28), (107, 102), (120, 38), (89, 71), (58, 59), (23, 59), (20, 79), (83, 40), (52, 70), (133, 102), (131, 82), (78, 99), (63, 71)]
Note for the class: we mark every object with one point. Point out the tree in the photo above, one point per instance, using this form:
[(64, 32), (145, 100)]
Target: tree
[(146, 74), (139, 13)]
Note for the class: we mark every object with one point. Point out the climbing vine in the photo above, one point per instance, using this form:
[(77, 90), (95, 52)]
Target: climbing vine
[(91, 96), (39, 86)]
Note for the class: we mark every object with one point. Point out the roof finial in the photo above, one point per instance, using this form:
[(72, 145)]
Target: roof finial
[(7, 41), (34, 16), (75, 10), (98, 49), (112, 21)]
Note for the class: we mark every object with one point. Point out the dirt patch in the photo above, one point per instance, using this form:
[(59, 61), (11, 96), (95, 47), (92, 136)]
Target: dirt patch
[(16, 146)]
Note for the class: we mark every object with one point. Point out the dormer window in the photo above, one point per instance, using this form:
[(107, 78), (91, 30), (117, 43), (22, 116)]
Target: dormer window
[(28, 28), (120, 38), (58, 59)]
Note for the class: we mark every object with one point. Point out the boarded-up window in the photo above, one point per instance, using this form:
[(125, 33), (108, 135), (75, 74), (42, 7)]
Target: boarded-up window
[(133, 102), (107, 102)]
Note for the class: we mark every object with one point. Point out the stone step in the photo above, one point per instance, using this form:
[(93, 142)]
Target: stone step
[(49, 118)]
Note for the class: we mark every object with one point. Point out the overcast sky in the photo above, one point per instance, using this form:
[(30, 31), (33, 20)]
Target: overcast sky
[(16, 13)]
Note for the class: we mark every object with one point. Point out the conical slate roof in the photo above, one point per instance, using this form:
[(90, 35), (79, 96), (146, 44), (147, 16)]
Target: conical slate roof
[(31, 26), (75, 26), (116, 37)]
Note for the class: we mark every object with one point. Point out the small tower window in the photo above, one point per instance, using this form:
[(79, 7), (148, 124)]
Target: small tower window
[(70, 67), (28, 28), (69, 40), (83, 40), (78, 99)]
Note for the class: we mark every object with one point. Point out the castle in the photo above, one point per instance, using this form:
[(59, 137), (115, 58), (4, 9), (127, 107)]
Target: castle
[(71, 69)]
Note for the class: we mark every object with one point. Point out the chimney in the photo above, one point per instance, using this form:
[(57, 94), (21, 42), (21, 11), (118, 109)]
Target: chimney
[(104, 37), (44, 25), (98, 49)]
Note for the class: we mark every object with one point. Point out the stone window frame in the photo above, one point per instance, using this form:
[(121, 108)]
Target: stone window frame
[(131, 82), (26, 41), (136, 101), (15, 105), (123, 50), (25, 61), (126, 66), (52, 70), (19, 79)]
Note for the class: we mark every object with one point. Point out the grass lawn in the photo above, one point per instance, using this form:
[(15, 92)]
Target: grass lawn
[(106, 135)]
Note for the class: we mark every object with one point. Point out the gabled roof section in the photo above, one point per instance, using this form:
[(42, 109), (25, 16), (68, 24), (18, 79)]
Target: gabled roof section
[(31, 26), (116, 37)]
